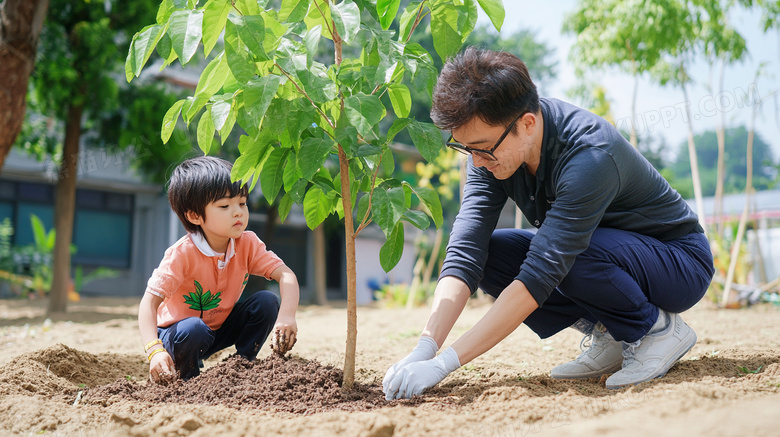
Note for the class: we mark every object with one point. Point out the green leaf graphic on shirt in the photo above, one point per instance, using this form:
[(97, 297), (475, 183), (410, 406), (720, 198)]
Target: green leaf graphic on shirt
[(199, 301)]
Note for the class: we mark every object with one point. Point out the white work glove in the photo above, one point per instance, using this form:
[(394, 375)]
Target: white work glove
[(416, 377), (425, 350)]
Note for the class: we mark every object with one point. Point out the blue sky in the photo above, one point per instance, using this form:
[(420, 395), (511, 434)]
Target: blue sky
[(660, 109)]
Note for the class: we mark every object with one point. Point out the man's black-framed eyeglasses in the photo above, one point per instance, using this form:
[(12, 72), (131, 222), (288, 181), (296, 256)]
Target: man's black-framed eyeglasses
[(482, 153)]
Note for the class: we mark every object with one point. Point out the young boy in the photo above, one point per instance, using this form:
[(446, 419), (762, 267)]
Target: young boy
[(190, 309)]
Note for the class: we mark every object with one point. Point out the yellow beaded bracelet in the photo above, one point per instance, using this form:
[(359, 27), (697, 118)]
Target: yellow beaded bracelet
[(160, 349), (152, 343)]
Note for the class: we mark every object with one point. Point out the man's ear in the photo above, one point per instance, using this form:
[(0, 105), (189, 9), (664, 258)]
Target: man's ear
[(528, 122), (194, 218)]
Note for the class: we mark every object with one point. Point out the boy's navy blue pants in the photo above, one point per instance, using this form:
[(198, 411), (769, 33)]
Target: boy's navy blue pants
[(620, 280), (248, 325)]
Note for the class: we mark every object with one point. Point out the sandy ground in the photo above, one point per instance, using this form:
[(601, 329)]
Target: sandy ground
[(729, 384)]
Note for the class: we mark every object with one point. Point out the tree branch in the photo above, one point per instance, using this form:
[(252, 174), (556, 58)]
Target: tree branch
[(302, 91), (365, 222), (322, 14)]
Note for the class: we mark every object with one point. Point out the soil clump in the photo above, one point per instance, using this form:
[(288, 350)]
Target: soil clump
[(288, 384)]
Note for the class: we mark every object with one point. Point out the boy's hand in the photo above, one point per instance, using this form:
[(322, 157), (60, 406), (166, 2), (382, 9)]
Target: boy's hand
[(285, 335), (161, 368)]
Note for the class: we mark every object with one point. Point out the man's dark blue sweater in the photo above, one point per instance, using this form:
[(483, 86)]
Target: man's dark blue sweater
[(589, 176)]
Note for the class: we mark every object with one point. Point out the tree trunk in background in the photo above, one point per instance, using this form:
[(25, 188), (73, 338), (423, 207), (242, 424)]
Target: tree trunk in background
[(21, 22), (720, 132), (64, 211), (694, 165)]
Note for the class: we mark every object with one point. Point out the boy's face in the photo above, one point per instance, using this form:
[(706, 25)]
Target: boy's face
[(224, 219)]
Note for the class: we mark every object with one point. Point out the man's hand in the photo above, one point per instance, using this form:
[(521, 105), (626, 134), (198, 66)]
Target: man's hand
[(161, 368), (416, 377), (425, 350), (284, 335)]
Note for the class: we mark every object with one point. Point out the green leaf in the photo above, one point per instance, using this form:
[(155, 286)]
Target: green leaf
[(387, 208), (185, 28), (164, 12), (495, 11), (312, 42), (293, 10), (312, 156), (191, 107), (215, 15), (165, 50), (272, 176), (401, 99), (39, 232), (198, 288), (388, 163), (316, 207), (398, 125), (206, 131), (252, 151), (243, 68), (220, 111), (418, 218), (213, 77), (444, 28), (427, 138), (348, 138), (318, 85), (141, 48), (364, 112), (252, 33), (248, 7), (346, 18), (367, 150), (387, 9), (391, 251), (229, 122), (169, 121), (285, 205), (432, 203), (258, 95), (292, 172)]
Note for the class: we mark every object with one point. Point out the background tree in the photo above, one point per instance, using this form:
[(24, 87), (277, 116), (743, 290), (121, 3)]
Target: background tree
[(80, 48), (632, 35), (21, 22), (736, 140), (312, 129), (721, 45)]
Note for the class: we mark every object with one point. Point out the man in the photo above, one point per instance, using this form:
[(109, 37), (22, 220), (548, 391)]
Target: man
[(617, 253)]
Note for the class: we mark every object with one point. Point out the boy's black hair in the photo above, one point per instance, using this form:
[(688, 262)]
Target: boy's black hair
[(197, 182)]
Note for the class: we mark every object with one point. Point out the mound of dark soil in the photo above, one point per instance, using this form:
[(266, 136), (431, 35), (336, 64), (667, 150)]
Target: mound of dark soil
[(289, 384)]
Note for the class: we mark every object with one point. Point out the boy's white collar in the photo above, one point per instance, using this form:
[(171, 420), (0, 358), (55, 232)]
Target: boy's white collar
[(206, 249)]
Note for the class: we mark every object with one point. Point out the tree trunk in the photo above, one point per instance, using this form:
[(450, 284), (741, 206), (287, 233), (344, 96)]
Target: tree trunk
[(726, 299), (349, 237), (349, 233), (21, 22), (64, 211), (720, 132), (694, 165)]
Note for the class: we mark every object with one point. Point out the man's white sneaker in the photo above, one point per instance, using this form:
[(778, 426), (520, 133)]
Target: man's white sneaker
[(653, 355), (603, 355)]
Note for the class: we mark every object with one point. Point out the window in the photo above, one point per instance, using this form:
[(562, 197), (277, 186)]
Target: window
[(103, 222)]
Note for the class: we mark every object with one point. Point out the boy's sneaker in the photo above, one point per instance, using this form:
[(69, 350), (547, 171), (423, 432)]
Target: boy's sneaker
[(603, 355), (655, 353)]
